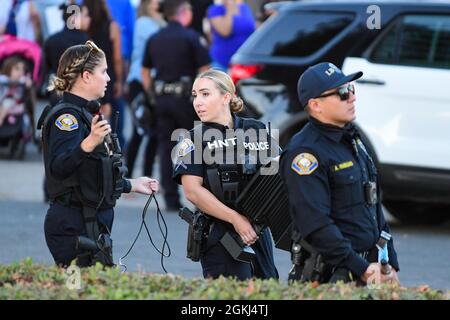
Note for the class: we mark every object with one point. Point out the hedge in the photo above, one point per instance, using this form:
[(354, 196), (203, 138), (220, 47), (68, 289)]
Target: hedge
[(25, 280)]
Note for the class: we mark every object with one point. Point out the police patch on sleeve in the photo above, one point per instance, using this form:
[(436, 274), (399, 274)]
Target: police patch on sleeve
[(304, 164), (66, 122), (183, 148)]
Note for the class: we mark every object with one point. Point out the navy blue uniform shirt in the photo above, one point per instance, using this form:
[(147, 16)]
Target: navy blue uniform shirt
[(65, 150), (174, 52), (325, 168)]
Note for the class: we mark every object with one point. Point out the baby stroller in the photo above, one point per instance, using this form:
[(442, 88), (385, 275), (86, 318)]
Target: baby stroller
[(17, 102)]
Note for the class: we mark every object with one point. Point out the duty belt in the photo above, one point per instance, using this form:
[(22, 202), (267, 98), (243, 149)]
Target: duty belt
[(69, 200), (174, 88)]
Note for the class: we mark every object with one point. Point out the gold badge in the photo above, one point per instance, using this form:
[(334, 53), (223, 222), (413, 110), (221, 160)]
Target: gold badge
[(66, 122), (304, 164)]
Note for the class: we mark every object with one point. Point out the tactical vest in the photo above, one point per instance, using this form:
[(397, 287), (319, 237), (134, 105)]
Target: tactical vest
[(98, 182), (226, 181)]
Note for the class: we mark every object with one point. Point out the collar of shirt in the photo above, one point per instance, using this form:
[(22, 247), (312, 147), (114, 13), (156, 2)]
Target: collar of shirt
[(74, 99), (236, 120), (333, 132), (174, 23)]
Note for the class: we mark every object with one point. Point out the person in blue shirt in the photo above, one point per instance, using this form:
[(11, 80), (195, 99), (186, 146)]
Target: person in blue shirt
[(124, 14), (332, 183), (231, 24)]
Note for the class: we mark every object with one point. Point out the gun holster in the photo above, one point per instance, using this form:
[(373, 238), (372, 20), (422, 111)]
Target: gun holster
[(197, 233), (194, 246), (95, 251), (307, 265)]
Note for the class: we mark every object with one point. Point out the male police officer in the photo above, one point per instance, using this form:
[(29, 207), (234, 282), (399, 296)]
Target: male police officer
[(332, 184), (177, 54)]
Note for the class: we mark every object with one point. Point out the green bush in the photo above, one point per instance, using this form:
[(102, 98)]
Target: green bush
[(26, 280)]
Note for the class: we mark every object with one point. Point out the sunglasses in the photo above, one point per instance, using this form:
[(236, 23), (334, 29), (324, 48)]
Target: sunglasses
[(342, 92), (92, 47)]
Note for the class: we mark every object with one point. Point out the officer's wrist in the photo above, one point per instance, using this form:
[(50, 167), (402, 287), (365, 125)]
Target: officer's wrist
[(87, 145), (233, 216)]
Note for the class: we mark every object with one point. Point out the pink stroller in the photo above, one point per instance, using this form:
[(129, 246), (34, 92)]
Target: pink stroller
[(17, 93)]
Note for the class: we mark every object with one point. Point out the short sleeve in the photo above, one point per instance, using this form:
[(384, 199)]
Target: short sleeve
[(188, 159), (147, 59), (200, 47)]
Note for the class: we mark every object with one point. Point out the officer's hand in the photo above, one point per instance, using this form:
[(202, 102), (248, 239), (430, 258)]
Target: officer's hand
[(372, 273), (144, 185), (244, 228), (392, 277), (99, 129)]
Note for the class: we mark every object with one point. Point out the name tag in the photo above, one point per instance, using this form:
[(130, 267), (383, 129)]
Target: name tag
[(343, 165)]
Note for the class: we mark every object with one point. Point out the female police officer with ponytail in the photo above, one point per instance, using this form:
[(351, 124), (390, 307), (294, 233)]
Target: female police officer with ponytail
[(212, 163), (83, 166)]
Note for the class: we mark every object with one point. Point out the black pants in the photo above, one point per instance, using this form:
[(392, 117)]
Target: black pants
[(136, 139), (263, 264), (173, 112), (216, 261), (62, 227)]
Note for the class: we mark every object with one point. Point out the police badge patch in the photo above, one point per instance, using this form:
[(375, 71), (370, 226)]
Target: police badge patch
[(184, 148), (304, 164), (66, 122)]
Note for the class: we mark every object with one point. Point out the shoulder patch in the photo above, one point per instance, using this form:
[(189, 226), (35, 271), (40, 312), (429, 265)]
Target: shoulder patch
[(185, 147), (304, 164), (66, 122)]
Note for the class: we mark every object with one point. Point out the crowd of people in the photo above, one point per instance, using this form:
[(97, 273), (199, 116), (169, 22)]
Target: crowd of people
[(122, 28)]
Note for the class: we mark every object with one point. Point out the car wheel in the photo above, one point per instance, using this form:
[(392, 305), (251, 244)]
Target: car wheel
[(413, 213)]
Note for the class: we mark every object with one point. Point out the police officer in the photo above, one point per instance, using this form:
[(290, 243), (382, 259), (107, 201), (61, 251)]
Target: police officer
[(332, 183), (83, 164), (214, 163), (176, 54)]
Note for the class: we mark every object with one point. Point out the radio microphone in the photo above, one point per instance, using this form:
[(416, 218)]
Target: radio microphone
[(93, 107)]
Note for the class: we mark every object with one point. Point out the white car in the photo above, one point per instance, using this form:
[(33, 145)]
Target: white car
[(403, 109)]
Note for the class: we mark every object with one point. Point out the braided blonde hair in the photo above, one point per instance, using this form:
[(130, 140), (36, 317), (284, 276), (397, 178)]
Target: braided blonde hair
[(73, 62), (224, 83)]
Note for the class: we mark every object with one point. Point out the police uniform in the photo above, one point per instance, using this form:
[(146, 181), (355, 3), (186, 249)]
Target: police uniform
[(226, 179), (76, 180), (333, 188), (176, 53)]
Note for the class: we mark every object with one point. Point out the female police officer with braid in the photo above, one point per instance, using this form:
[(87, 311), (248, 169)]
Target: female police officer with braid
[(83, 165), (213, 166)]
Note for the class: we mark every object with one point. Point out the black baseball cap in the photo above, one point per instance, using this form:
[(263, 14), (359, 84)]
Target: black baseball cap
[(319, 78)]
